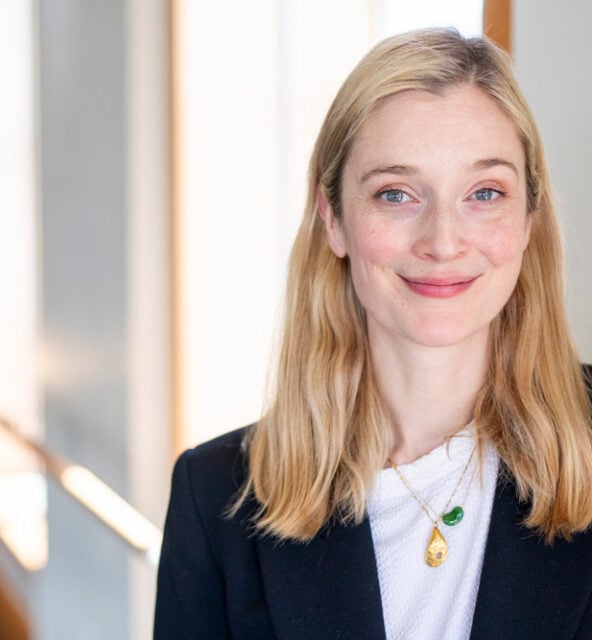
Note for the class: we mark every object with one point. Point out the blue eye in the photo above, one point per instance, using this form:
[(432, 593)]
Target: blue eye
[(487, 195), (394, 196)]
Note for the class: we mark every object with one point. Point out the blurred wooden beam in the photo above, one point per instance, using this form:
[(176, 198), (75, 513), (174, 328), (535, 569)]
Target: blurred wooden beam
[(497, 22), (178, 422), (13, 618)]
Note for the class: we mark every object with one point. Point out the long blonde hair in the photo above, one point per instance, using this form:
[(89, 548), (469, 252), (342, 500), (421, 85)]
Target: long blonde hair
[(324, 436)]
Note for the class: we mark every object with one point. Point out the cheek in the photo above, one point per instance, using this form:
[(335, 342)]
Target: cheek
[(505, 244), (371, 252), (374, 244)]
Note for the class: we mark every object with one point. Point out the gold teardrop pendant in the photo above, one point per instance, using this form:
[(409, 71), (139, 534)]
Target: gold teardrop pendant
[(437, 549)]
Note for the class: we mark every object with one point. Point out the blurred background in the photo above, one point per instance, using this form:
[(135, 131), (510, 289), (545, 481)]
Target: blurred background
[(152, 173)]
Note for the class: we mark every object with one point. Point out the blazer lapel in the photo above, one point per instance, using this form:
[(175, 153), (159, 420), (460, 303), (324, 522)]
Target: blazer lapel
[(528, 589), (327, 588)]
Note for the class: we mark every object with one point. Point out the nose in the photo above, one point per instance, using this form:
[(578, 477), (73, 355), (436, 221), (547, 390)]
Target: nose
[(440, 235)]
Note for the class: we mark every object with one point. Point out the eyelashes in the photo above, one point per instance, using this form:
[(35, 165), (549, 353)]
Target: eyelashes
[(394, 196), (399, 196), (487, 194)]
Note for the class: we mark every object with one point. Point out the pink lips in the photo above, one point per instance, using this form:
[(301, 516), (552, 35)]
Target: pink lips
[(440, 287)]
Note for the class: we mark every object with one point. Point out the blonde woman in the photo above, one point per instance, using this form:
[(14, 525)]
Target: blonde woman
[(424, 468)]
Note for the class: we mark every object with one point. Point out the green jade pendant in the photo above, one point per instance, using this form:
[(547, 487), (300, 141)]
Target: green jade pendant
[(453, 517)]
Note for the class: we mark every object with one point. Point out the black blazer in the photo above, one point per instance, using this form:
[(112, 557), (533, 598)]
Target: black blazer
[(218, 581)]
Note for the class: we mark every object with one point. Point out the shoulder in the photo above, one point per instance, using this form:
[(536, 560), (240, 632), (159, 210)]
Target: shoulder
[(217, 457), (204, 552), (206, 481), (213, 472)]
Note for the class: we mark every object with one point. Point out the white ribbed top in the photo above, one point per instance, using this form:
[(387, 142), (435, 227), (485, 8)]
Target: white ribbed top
[(421, 602)]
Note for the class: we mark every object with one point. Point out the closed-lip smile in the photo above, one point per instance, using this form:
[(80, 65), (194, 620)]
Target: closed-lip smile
[(439, 286)]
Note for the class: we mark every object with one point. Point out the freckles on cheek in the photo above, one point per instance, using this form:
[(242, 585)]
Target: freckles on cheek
[(373, 244), (369, 258), (506, 243)]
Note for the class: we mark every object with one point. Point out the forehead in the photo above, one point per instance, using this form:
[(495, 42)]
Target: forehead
[(461, 124)]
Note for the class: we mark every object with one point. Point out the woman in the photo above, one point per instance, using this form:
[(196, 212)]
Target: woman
[(424, 468)]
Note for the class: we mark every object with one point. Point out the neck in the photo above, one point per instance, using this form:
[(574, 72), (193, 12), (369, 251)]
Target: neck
[(429, 392)]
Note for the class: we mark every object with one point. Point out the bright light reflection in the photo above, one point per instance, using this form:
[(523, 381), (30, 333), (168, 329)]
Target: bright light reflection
[(23, 518), (131, 525)]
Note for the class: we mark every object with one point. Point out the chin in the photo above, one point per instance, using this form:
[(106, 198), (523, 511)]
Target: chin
[(446, 334)]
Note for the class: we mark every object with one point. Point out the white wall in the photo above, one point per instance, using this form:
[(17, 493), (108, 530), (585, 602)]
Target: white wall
[(553, 52), (257, 79), (18, 212)]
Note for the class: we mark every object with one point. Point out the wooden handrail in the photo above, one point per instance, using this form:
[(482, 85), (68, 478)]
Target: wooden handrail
[(94, 495)]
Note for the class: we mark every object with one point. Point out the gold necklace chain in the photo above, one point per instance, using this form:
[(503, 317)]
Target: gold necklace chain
[(422, 503), (437, 549)]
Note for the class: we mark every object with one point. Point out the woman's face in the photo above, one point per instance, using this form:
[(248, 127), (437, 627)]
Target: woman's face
[(434, 218)]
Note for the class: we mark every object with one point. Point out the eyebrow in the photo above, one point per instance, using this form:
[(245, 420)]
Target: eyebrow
[(409, 169), (495, 162), (396, 169)]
